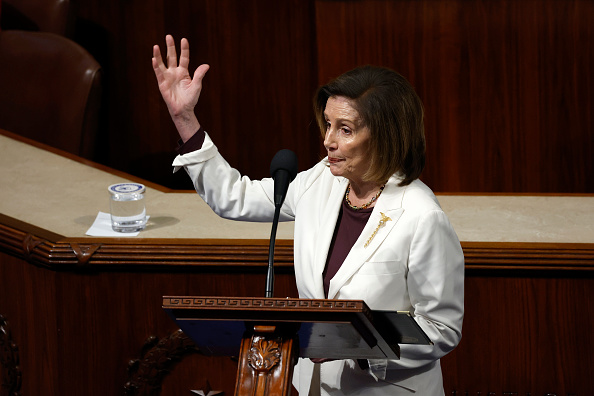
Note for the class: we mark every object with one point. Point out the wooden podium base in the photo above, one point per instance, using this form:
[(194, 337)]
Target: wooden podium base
[(267, 357)]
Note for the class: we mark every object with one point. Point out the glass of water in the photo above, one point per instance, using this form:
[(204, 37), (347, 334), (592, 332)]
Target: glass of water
[(128, 213)]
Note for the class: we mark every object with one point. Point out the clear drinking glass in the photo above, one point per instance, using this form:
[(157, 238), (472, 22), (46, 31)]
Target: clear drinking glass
[(128, 213)]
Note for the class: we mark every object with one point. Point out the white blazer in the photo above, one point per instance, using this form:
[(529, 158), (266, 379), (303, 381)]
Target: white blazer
[(413, 263)]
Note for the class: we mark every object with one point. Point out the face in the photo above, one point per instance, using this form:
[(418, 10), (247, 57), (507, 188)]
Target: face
[(346, 140)]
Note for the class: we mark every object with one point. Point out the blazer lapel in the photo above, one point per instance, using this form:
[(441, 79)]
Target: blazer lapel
[(384, 217)]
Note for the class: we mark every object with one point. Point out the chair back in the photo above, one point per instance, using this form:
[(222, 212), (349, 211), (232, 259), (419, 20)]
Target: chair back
[(50, 90), (52, 16)]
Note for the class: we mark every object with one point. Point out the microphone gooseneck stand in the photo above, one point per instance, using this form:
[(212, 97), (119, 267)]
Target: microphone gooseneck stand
[(270, 274), (283, 170)]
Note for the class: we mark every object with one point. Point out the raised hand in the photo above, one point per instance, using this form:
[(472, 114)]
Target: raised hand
[(180, 91)]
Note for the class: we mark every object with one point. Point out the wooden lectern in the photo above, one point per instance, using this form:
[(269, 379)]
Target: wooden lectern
[(269, 334)]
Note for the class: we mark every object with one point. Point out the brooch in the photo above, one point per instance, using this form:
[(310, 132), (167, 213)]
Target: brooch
[(382, 222)]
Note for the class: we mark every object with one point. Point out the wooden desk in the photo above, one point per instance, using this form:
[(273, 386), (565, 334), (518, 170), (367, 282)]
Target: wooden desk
[(79, 308)]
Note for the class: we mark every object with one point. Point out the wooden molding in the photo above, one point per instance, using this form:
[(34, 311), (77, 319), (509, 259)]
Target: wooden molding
[(528, 256), (112, 253), (260, 304), (104, 253)]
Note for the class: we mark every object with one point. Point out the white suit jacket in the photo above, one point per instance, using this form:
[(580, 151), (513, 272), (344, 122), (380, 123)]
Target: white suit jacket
[(413, 263)]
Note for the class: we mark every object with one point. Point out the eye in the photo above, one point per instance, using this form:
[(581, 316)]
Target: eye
[(346, 130), (327, 125)]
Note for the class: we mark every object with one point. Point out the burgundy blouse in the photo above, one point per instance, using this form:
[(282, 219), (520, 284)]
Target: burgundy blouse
[(349, 226), (192, 144)]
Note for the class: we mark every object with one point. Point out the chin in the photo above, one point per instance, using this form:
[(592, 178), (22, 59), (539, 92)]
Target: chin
[(335, 171)]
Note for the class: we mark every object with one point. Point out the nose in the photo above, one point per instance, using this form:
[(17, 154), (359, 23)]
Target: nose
[(329, 140)]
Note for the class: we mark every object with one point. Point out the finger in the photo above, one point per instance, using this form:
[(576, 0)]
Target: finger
[(158, 66), (184, 57), (171, 53), (158, 71), (157, 58), (200, 73)]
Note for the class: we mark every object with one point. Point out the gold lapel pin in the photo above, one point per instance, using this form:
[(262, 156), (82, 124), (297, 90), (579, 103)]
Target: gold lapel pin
[(382, 223)]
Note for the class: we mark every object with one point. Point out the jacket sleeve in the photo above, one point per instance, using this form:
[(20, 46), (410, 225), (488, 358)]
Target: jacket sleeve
[(226, 191), (435, 283)]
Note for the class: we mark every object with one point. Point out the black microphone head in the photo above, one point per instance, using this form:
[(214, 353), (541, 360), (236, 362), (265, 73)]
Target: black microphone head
[(286, 160)]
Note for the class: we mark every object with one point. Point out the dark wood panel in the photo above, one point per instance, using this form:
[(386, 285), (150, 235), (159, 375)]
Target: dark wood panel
[(524, 335), (506, 85), (27, 302), (77, 330), (257, 94)]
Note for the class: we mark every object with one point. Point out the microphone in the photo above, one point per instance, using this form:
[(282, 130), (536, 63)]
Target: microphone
[(283, 170)]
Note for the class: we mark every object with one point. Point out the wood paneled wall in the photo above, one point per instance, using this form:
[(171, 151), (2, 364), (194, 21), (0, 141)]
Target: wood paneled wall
[(84, 317), (524, 334), (257, 94), (507, 85), (78, 333)]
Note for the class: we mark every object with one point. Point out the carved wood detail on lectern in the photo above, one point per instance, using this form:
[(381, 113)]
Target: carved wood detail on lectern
[(266, 362), (158, 359), (9, 361), (257, 303), (264, 354)]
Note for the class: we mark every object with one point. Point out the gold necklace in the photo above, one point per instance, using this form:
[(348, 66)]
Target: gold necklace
[(365, 205)]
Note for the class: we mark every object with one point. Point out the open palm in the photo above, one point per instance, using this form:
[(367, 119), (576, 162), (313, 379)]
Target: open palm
[(180, 91)]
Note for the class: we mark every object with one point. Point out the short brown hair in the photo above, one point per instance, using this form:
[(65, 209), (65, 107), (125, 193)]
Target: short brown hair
[(393, 112)]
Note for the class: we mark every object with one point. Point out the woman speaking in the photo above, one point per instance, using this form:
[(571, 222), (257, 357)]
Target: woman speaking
[(366, 228)]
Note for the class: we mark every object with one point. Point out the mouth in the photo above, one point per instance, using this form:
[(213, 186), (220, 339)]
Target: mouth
[(334, 160)]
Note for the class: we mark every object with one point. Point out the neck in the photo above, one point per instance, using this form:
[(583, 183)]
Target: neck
[(363, 190), (365, 197)]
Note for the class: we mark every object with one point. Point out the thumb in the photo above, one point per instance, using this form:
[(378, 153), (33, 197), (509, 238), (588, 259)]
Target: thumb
[(200, 73)]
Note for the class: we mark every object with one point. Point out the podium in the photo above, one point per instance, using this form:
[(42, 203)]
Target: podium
[(267, 335)]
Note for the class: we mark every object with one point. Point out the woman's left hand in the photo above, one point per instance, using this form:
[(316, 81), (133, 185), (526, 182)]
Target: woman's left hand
[(179, 90)]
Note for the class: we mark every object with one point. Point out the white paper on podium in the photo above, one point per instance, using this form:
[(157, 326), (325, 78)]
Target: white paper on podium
[(102, 227)]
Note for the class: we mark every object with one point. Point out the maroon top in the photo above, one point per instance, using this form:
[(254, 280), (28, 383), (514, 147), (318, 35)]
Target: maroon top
[(349, 226), (192, 144)]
